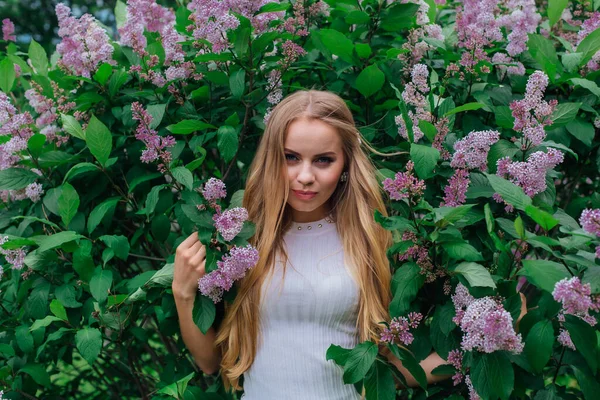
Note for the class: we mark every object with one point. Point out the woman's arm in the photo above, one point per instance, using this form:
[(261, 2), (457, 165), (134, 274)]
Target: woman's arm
[(201, 346), (434, 360)]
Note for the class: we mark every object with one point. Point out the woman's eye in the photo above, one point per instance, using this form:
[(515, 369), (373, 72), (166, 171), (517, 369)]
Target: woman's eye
[(327, 160)]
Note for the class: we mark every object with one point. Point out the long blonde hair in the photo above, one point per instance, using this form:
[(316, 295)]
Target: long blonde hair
[(352, 206)]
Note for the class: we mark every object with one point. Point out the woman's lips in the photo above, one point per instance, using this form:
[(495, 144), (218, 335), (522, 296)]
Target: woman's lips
[(302, 196)]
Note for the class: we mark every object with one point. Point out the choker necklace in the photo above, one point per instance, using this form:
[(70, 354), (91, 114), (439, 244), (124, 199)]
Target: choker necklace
[(328, 219)]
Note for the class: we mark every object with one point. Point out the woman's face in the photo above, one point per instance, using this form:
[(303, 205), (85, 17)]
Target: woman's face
[(315, 161)]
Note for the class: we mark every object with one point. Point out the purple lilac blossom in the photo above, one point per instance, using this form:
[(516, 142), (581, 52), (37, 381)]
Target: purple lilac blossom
[(564, 338), (84, 46), (522, 20), (531, 174), (413, 95), (155, 144), (590, 221), (455, 193), (8, 30), (587, 27), (417, 47), (143, 14), (233, 267), (471, 151), (422, 12), (399, 329), (213, 190), (532, 125), (472, 393), (291, 52), (15, 257), (230, 222), (405, 185), (455, 358), (501, 58)]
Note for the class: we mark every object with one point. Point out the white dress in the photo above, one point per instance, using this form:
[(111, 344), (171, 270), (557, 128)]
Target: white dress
[(317, 307)]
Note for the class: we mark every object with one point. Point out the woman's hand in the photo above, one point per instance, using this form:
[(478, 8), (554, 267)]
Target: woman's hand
[(190, 261)]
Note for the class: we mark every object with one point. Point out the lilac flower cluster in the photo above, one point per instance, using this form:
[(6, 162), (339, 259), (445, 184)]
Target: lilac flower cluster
[(500, 58), (298, 24), (85, 45), (422, 16), (590, 222), (230, 222), (290, 52), (155, 144), (455, 193), (532, 125), (399, 328), (486, 325), (419, 253), (8, 30), (417, 47), (16, 257), (472, 393), (275, 93), (522, 20), (576, 299), (213, 190), (531, 174), (414, 95), (471, 152), (233, 267), (455, 358), (249, 8), (405, 185), (587, 27), (146, 14)]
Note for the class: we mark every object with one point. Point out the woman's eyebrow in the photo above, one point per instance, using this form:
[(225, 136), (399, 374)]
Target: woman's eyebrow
[(316, 155)]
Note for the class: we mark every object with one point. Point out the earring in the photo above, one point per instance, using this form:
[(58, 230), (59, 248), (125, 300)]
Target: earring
[(344, 177)]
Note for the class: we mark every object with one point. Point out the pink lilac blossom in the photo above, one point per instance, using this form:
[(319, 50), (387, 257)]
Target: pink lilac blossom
[(532, 125), (587, 27), (405, 185), (590, 221), (420, 255), (455, 193), (487, 327), (233, 267), (501, 58), (144, 14), (211, 21), (422, 16), (414, 95), (522, 20), (298, 24), (17, 126), (398, 330), (291, 52), (471, 151), (15, 257), (249, 8), (564, 338), (442, 128), (472, 393), (230, 222), (531, 174), (84, 46), (213, 190), (597, 122), (155, 144), (274, 87), (8, 30), (455, 358), (417, 47)]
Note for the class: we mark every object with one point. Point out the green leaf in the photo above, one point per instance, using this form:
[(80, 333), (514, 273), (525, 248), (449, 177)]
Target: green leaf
[(24, 339), (7, 75), (204, 313), (589, 46), (503, 116), (544, 219), (405, 284), (58, 310), (583, 336), (587, 84), (68, 203), (582, 130), (359, 361), (38, 373), (589, 384), (237, 83), (337, 43), (38, 58), (16, 178), (464, 107), (163, 277), (500, 149), (157, 111), (555, 10), (428, 129), (120, 13), (510, 192), (462, 251), (399, 16), (99, 140), (538, 345), (379, 383), (183, 176), (72, 126), (475, 274), (188, 126), (592, 276), (117, 80), (571, 61), (411, 364), (47, 320), (118, 243), (50, 242), (543, 51), (103, 73), (370, 80), (357, 17), (564, 113), (227, 142), (100, 284), (338, 354), (543, 273), (89, 343), (152, 198), (98, 213), (492, 375), (425, 159)]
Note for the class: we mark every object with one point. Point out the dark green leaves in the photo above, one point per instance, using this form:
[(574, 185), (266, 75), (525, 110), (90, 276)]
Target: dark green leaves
[(538, 345), (370, 80), (425, 159), (203, 313), (492, 375), (16, 178), (7, 75), (510, 192), (564, 113), (406, 283), (475, 274), (227, 141), (543, 273), (89, 343), (99, 140), (359, 361), (584, 338), (188, 126), (38, 58), (399, 16), (589, 46), (411, 364)]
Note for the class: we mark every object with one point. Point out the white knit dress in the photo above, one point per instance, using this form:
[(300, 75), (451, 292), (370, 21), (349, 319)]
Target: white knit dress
[(317, 307)]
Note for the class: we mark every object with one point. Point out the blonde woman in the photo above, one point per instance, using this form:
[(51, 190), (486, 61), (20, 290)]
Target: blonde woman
[(323, 276)]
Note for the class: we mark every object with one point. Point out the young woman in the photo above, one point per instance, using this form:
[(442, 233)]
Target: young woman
[(311, 192)]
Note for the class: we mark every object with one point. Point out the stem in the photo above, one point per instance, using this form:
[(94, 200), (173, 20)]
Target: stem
[(558, 366)]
